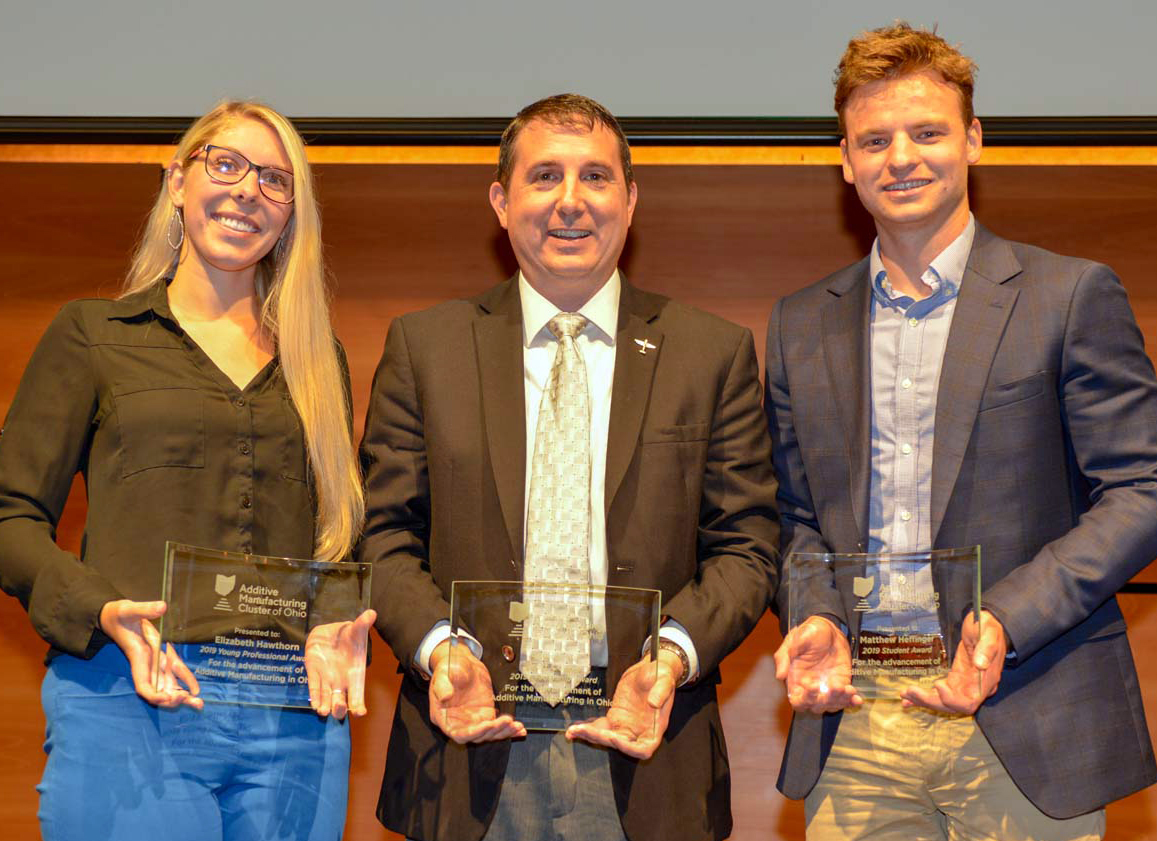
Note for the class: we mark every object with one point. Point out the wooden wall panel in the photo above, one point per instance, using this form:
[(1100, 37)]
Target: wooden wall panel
[(730, 239)]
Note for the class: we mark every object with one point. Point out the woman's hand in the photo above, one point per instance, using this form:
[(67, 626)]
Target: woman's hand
[(335, 662), (129, 625)]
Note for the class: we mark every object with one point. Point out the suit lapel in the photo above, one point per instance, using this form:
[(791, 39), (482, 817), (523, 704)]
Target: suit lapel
[(498, 340), (634, 371), (846, 350), (982, 311)]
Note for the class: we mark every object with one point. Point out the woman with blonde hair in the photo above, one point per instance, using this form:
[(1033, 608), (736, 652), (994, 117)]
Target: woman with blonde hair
[(207, 405)]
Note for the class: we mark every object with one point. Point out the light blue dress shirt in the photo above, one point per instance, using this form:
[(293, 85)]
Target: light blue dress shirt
[(908, 338)]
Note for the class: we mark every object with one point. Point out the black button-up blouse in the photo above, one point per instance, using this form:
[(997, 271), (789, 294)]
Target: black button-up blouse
[(169, 447)]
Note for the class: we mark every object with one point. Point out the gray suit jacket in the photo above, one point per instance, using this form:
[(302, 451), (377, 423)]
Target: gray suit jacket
[(689, 511), (1045, 455)]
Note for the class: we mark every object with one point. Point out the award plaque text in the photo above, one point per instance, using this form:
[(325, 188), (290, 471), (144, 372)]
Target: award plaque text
[(240, 622), (903, 612), (499, 617)]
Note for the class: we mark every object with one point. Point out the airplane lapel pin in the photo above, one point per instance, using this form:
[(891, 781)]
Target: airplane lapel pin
[(644, 346)]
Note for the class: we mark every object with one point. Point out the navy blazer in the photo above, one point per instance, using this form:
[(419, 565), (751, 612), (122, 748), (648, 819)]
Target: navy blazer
[(1045, 454)]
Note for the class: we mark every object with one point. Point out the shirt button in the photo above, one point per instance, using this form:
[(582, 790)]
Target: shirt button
[(906, 449), (905, 515), (243, 448), (906, 383), (239, 402), (246, 501), (914, 322)]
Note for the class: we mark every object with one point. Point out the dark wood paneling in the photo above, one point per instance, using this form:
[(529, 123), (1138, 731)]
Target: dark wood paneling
[(730, 239)]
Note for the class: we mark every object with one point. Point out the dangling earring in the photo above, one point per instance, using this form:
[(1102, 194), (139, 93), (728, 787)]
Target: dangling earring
[(180, 230), (279, 250)]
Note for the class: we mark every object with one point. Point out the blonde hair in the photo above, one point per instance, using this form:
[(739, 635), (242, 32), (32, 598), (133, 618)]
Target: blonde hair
[(295, 312)]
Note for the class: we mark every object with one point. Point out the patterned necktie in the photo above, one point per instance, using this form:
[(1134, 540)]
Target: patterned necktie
[(556, 642)]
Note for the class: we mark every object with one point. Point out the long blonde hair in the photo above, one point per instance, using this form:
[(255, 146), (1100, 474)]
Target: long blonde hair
[(295, 312)]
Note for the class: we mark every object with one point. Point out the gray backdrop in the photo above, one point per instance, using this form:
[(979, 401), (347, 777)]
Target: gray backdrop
[(434, 58)]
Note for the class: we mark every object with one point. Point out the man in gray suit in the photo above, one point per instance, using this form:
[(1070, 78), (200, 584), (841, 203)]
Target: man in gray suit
[(952, 389)]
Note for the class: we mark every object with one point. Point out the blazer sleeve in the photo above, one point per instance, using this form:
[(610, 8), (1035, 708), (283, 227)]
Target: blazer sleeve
[(396, 536), (1109, 403), (799, 526), (738, 528), (44, 444)]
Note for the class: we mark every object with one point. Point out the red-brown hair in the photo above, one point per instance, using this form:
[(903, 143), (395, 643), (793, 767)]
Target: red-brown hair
[(899, 50)]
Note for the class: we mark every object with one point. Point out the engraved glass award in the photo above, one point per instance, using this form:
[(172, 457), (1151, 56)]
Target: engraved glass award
[(903, 611), (240, 622), (539, 641)]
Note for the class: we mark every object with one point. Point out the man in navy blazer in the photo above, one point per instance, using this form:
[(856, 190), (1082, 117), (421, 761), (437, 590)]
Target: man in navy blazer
[(953, 389)]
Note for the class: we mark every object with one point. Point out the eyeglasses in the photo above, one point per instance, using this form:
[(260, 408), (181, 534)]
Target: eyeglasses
[(229, 167)]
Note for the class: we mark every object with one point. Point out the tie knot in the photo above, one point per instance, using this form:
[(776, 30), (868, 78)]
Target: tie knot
[(567, 325)]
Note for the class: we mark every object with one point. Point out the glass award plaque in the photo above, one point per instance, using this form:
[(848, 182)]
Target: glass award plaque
[(502, 617), (904, 611), (240, 622)]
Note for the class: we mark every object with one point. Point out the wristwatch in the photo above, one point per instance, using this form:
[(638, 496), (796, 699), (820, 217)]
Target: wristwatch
[(676, 649)]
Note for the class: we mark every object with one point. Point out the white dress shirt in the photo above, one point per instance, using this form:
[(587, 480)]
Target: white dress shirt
[(596, 344)]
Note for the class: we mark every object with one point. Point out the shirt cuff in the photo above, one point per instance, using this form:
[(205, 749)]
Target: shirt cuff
[(435, 637)]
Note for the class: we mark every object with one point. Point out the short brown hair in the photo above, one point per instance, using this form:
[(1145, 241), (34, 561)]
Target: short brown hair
[(899, 50), (571, 110)]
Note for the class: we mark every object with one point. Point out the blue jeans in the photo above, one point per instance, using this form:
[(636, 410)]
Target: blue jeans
[(120, 768)]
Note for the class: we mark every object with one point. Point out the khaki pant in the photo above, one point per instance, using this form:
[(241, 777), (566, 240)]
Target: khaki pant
[(915, 775)]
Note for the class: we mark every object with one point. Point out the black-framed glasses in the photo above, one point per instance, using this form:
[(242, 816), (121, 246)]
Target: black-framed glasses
[(229, 166)]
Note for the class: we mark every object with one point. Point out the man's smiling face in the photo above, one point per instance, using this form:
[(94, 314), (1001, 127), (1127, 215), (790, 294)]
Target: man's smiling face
[(907, 151), (566, 209)]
